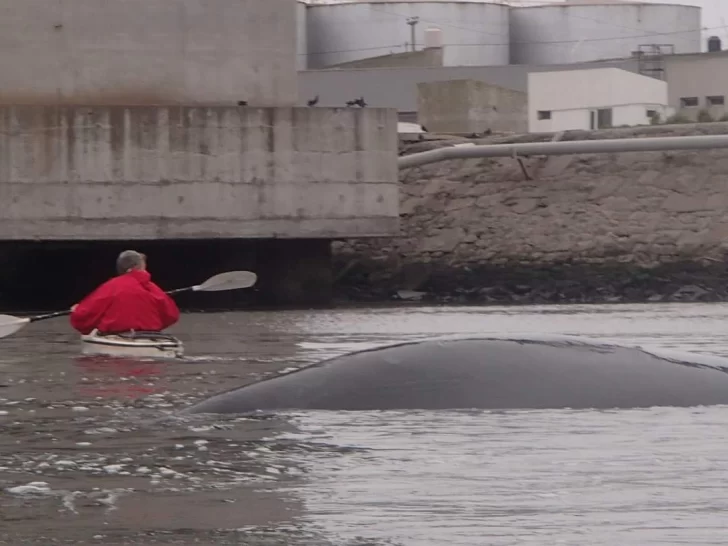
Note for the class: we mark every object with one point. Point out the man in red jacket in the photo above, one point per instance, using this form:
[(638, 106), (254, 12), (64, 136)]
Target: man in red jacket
[(130, 301)]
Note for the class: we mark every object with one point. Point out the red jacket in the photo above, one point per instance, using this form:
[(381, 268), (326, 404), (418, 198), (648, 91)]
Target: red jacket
[(128, 302)]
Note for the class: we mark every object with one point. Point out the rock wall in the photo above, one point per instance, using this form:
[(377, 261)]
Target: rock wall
[(559, 228)]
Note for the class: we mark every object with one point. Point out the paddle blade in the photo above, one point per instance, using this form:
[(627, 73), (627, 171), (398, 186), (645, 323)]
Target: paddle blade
[(10, 324), (231, 280)]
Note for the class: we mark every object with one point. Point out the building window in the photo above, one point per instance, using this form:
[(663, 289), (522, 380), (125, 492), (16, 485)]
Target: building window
[(604, 118), (688, 102), (544, 114), (715, 100), (600, 119), (653, 116)]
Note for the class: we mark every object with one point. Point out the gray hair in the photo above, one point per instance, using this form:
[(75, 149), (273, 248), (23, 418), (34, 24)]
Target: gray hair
[(129, 259)]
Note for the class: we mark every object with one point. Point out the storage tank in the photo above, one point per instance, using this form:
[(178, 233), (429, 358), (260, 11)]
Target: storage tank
[(301, 41), (714, 13), (473, 33), (572, 32)]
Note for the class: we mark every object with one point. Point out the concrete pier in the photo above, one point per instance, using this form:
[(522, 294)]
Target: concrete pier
[(141, 176), (170, 127)]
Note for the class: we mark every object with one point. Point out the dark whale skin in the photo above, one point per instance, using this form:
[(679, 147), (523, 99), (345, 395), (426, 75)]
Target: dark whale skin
[(473, 372)]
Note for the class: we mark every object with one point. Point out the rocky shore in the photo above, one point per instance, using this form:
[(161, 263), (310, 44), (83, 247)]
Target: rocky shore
[(590, 228), (374, 282)]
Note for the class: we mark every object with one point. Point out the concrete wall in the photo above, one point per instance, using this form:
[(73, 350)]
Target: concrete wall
[(630, 208), (123, 173), (698, 77), (397, 87), (587, 119), (568, 97), (712, 11), (148, 52), (640, 114), (469, 106)]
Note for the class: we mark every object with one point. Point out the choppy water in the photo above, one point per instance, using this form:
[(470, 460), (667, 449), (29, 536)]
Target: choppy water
[(109, 463)]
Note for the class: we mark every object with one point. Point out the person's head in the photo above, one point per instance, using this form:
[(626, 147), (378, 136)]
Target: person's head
[(130, 260)]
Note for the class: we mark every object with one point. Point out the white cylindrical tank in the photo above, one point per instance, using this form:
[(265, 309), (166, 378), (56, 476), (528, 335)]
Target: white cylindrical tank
[(714, 14), (473, 32), (572, 32), (301, 41)]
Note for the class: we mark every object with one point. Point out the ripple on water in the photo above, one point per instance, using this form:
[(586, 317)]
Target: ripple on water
[(566, 477), (91, 452)]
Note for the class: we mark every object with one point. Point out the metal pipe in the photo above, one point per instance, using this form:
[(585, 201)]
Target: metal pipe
[(412, 21), (566, 148)]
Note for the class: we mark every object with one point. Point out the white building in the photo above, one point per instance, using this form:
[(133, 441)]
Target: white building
[(593, 99)]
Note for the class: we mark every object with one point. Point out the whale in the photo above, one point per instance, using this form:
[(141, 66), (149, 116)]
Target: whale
[(488, 372)]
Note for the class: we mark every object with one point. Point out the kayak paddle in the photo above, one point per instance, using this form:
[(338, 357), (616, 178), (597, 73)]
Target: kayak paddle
[(231, 280)]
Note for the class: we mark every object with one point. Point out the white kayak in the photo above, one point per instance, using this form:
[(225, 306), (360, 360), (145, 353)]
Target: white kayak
[(132, 344)]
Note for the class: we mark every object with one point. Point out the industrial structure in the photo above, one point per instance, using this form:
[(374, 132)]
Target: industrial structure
[(496, 33), (575, 32), (171, 127), (714, 12), (301, 36), (591, 99), (474, 32), (471, 107), (659, 40), (697, 85)]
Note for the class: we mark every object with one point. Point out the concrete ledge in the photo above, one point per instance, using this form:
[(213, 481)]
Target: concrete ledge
[(103, 229), (185, 172)]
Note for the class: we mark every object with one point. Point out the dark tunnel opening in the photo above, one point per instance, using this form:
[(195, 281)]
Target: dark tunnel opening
[(53, 275)]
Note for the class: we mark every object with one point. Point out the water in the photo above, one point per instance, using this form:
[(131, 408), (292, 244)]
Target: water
[(91, 451)]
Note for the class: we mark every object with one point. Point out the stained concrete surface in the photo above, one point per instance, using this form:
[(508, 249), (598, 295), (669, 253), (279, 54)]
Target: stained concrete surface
[(148, 52), (134, 173)]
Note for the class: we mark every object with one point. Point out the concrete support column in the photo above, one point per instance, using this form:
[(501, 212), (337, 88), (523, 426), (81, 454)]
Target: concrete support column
[(295, 272)]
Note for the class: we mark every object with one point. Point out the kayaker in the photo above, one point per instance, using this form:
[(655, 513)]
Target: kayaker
[(129, 301)]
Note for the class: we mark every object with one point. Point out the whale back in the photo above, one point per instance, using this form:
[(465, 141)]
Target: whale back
[(488, 373)]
